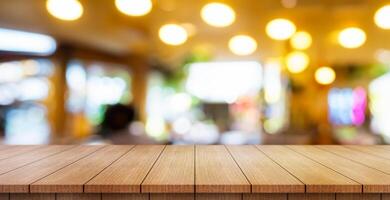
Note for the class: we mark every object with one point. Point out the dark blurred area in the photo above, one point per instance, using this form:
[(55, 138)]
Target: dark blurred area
[(195, 72)]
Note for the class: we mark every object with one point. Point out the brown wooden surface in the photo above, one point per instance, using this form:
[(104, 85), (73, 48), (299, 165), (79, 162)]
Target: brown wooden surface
[(212, 172)]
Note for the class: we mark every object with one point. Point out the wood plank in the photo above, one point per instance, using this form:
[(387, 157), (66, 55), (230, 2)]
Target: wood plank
[(76, 196), (372, 179), (363, 158), (10, 151), (311, 197), (19, 180), (12, 163), (217, 172), (385, 196), (373, 150), (32, 197), (4, 196), (113, 196), (168, 196), (174, 171), (126, 174), (316, 177), (265, 175), (264, 197), (219, 196), (358, 196), (73, 177)]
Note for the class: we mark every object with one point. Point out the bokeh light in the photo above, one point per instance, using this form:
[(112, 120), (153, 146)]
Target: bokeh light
[(297, 62), (352, 38), (68, 10), (173, 34), (325, 75), (134, 8), (301, 40), (280, 29), (218, 14), (242, 45), (382, 17)]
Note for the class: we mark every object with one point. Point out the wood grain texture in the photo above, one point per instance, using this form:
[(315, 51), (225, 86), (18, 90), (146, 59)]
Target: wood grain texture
[(73, 177), (373, 150), (4, 196), (264, 197), (20, 160), (318, 178), (311, 197), (76, 196), (113, 196), (385, 196), (358, 196), (126, 174), (363, 158), (10, 151), (173, 171), (167, 196), (19, 180), (32, 197), (265, 175), (372, 179), (217, 172), (219, 196)]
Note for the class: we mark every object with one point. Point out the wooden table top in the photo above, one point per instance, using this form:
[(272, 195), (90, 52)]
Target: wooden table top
[(194, 169)]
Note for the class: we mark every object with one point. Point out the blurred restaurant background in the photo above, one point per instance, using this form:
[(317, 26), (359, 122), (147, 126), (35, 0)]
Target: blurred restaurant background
[(195, 71)]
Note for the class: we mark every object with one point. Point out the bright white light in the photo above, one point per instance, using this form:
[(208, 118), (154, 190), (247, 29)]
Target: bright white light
[(67, 10), (218, 14), (173, 34), (242, 45), (325, 75), (352, 38), (182, 125), (224, 81), (272, 81), (10, 72), (301, 40), (280, 29), (297, 62), (382, 17), (20, 41), (134, 8)]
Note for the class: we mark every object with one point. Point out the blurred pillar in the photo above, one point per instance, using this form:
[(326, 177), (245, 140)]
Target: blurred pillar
[(140, 71)]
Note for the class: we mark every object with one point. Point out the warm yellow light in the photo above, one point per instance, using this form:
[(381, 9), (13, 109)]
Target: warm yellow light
[(173, 34), (297, 62), (301, 40), (382, 17), (242, 45), (280, 29), (352, 37), (134, 8), (67, 10), (325, 75), (218, 14)]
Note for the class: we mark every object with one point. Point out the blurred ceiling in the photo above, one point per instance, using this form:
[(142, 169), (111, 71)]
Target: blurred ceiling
[(102, 26)]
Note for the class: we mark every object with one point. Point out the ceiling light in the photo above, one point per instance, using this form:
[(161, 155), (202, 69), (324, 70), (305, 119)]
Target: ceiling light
[(301, 40), (68, 10), (173, 34), (297, 62), (352, 37), (382, 17), (325, 75), (134, 8), (242, 45), (280, 29), (218, 14)]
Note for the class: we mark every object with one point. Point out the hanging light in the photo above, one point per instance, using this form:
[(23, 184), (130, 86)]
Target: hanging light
[(68, 10), (134, 8), (280, 29), (301, 40), (352, 38), (297, 62), (242, 45), (218, 14), (382, 17), (173, 34), (325, 75)]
